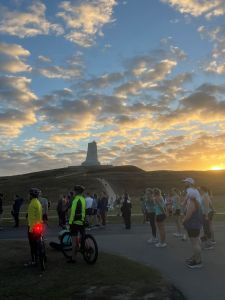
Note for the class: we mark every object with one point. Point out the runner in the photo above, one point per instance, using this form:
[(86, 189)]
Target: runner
[(193, 222), (176, 208), (206, 239), (160, 212), (150, 209)]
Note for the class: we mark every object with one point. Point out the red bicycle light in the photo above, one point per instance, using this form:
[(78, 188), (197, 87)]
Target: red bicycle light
[(38, 229)]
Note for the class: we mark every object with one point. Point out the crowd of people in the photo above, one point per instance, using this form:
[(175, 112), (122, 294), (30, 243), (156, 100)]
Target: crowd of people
[(192, 211)]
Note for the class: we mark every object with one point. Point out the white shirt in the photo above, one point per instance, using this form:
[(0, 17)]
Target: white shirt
[(194, 193), (89, 202)]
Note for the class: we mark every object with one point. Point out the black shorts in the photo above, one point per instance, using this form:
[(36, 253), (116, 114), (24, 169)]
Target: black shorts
[(193, 233), (94, 212), (177, 212), (89, 211), (160, 218), (75, 229), (45, 217)]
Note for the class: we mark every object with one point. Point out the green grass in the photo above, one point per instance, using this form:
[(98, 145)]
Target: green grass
[(112, 277)]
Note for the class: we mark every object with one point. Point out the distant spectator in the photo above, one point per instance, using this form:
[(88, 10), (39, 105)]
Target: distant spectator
[(94, 209), (126, 210), (44, 203), (18, 201), (89, 203), (1, 209), (118, 205), (103, 207), (62, 208), (143, 207)]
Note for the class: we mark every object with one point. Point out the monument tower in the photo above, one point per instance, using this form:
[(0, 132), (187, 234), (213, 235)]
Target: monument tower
[(92, 155)]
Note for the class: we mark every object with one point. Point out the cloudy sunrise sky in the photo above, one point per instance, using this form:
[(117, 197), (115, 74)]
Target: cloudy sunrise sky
[(143, 78)]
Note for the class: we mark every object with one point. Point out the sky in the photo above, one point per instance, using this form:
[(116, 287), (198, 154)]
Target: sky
[(143, 78)]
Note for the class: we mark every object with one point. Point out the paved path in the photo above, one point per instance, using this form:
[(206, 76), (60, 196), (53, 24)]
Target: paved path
[(207, 283), (109, 190)]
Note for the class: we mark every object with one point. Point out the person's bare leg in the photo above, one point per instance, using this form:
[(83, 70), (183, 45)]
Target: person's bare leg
[(196, 249)]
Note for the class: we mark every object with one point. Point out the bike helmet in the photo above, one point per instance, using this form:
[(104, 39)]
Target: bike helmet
[(79, 188), (34, 192)]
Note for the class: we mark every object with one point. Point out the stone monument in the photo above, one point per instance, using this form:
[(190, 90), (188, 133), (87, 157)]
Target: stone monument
[(92, 155)]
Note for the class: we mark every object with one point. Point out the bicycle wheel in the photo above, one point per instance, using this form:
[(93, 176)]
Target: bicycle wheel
[(42, 254), (66, 244), (90, 251)]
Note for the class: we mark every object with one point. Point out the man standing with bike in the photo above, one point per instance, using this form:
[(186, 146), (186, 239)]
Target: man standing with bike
[(77, 220), (34, 216)]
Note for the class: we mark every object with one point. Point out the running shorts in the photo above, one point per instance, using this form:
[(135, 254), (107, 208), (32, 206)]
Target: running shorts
[(193, 233), (160, 218)]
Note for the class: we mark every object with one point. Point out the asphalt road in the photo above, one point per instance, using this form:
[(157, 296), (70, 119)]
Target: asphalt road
[(207, 283)]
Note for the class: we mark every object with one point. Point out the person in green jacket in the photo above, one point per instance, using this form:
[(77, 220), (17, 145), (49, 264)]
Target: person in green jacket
[(34, 216), (77, 219)]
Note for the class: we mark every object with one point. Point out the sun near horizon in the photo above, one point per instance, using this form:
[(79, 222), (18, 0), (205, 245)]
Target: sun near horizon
[(217, 168)]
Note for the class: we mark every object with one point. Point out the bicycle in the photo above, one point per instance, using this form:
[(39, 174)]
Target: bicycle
[(40, 244), (89, 249)]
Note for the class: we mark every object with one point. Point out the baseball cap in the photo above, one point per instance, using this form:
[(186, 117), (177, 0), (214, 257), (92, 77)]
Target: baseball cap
[(189, 180)]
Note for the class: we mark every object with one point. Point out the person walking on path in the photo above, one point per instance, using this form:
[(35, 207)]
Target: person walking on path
[(193, 222), (160, 211), (94, 210), (1, 209), (150, 209), (16, 209), (126, 210)]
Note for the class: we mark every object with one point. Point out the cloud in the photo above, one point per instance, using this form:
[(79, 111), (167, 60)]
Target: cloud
[(27, 24), (16, 105), (216, 63), (199, 106), (43, 58), (10, 61), (72, 68), (198, 8), (85, 19)]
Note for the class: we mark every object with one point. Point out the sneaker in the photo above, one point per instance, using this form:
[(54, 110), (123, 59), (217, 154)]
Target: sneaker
[(208, 247), (152, 240), (161, 245), (176, 234), (194, 265), (189, 259), (213, 242), (30, 264), (184, 238)]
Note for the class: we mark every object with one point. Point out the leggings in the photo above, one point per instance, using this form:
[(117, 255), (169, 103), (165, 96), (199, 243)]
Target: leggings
[(152, 223)]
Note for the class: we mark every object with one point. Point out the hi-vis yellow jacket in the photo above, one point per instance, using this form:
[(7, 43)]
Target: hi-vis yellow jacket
[(78, 211), (34, 213)]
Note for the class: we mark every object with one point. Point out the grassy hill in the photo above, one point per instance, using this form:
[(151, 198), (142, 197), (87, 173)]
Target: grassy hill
[(55, 182)]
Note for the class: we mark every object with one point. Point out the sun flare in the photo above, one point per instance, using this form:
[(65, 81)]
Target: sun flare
[(217, 168)]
